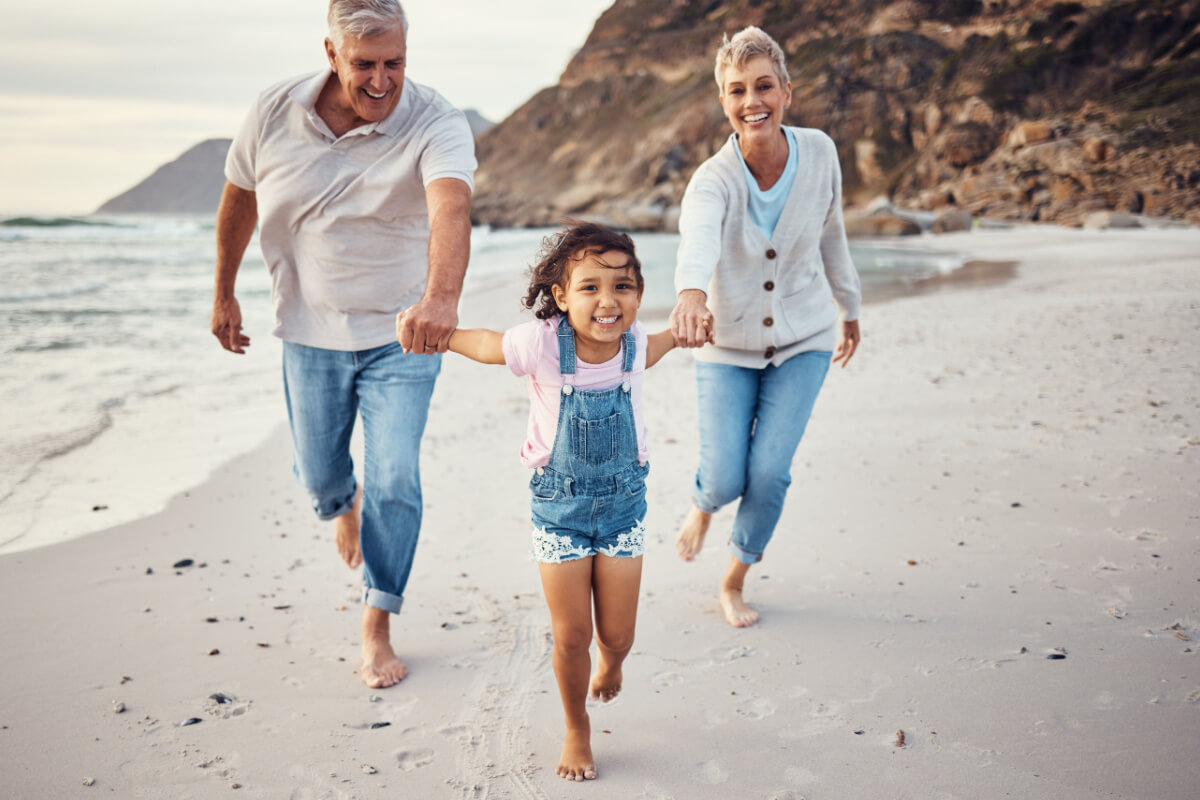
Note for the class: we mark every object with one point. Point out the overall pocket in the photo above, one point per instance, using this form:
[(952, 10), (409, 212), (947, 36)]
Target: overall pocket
[(596, 441)]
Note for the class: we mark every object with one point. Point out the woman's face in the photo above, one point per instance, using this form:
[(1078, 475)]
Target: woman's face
[(754, 99)]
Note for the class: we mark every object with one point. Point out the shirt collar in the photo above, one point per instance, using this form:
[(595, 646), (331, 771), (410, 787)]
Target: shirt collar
[(308, 90)]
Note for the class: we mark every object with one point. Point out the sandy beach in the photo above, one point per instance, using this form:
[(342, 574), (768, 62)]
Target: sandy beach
[(986, 584)]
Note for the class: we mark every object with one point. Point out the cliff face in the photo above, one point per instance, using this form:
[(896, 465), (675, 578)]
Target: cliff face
[(1016, 109)]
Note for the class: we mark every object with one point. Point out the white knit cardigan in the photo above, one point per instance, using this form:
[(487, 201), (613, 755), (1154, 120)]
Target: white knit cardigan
[(771, 298)]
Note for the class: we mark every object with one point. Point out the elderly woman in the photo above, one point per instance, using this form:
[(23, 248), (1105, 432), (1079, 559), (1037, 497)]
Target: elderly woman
[(762, 258)]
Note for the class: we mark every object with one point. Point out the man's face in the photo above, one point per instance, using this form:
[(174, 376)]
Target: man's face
[(370, 71)]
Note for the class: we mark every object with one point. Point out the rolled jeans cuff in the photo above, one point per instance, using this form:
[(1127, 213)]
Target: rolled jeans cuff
[(744, 556), (375, 598)]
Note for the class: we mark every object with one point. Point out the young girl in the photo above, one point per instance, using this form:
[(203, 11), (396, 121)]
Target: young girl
[(583, 358)]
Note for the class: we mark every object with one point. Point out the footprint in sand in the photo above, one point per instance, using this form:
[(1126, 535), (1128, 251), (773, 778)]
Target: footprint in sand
[(654, 792), (712, 773), (726, 655), (756, 708), (664, 679), (408, 760)]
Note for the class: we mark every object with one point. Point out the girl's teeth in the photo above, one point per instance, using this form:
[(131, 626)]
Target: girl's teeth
[(606, 320)]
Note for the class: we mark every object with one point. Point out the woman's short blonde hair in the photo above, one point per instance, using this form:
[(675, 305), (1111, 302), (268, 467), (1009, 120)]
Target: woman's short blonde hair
[(747, 44)]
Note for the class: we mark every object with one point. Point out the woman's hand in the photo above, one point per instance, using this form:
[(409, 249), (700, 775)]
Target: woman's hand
[(848, 342), (691, 321)]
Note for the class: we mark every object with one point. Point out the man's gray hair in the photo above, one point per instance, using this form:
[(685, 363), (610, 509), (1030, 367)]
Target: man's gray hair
[(747, 44), (364, 18)]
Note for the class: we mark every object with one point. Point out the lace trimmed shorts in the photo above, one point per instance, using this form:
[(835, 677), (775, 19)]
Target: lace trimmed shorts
[(569, 526)]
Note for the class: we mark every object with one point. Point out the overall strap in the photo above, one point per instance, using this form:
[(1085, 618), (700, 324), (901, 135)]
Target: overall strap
[(629, 345), (566, 351)]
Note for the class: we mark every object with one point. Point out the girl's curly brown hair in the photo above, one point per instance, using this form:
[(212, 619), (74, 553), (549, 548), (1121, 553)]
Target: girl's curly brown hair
[(560, 250)]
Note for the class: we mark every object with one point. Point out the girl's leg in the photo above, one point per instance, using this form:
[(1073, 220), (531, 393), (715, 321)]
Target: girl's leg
[(615, 586), (727, 397), (568, 589)]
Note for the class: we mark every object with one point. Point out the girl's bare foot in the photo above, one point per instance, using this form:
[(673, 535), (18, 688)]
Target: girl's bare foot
[(737, 613), (345, 531), (576, 763), (381, 668), (690, 537), (606, 683)]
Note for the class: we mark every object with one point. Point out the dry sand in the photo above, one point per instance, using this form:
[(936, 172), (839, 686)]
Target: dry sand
[(1003, 475)]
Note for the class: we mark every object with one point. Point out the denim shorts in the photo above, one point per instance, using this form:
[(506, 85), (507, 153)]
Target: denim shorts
[(574, 519)]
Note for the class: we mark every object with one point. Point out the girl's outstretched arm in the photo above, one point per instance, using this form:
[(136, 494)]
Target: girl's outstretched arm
[(657, 345), (478, 344)]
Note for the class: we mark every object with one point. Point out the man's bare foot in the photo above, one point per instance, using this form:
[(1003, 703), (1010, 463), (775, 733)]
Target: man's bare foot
[(345, 530), (576, 762), (381, 668), (690, 537), (737, 613), (606, 683)]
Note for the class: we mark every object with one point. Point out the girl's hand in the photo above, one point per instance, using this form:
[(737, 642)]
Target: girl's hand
[(848, 342), (691, 321)]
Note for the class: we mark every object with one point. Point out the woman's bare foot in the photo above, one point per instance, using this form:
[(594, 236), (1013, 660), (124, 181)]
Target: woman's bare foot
[(345, 531), (737, 613), (606, 683), (381, 668), (576, 762), (690, 537)]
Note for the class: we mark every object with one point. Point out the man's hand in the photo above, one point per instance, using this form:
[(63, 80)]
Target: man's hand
[(227, 325), (848, 342), (691, 321), (425, 328)]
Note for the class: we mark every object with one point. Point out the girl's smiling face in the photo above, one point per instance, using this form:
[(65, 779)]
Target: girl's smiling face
[(601, 301)]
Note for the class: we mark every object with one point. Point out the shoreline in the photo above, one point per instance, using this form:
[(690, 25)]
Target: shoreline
[(1002, 475)]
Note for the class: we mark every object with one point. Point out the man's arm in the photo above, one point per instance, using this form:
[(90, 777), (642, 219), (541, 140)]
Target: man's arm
[(236, 217), (426, 326)]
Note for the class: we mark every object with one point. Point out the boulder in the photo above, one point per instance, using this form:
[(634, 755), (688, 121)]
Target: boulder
[(880, 224), (1097, 150), (1029, 133), (1102, 220), (951, 219)]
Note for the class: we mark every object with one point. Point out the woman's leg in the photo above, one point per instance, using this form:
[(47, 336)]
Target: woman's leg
[(568, 589), (615, 586), (726, 396), (786, 396)]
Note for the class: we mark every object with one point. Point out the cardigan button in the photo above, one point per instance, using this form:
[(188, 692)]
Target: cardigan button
[(770, 353), (771, 253), (769, 285), (769, 321)]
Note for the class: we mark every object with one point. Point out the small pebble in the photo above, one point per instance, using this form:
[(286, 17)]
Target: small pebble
[(89, 781), (125, 679), (375, 725), (149, 570), (99, 508), (368, 769), (859, 732), (211, 619), (183, 562), (118, 707), (236, 786), (376, 698), (1016, 505), (214, 652), (190, 721), (220, 698)]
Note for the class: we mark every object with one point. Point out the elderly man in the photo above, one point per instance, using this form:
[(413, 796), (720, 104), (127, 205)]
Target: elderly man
[(361, 182)]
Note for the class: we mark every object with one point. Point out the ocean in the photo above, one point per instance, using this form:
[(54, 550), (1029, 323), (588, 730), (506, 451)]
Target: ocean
[(116, 397)]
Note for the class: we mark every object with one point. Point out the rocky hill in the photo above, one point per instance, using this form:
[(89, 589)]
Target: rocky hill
[(191, 184), (1015, 109)]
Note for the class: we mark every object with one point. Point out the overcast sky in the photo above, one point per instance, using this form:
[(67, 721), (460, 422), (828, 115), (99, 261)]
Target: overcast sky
[(94, 96)]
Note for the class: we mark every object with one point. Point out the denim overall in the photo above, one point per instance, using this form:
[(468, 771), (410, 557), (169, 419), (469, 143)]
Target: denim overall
[(591, 497)]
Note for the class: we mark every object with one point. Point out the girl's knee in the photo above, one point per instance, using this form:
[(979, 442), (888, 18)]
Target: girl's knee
[(617, 641), (572, 639)]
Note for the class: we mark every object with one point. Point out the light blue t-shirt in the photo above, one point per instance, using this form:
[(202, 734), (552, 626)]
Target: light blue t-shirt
[(767, 206)]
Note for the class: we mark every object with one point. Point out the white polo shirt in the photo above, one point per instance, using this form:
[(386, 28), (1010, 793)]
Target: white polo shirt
[(343, 224)]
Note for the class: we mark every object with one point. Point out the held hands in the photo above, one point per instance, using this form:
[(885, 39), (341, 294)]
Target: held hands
[(226, 325), (847, 343), (691, 321), (425, 328)]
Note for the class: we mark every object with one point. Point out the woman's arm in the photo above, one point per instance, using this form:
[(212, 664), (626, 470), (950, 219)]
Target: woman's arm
[(658, 345), (478, 344)]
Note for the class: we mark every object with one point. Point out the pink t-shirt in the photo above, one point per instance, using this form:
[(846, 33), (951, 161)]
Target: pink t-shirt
[(531, 350)]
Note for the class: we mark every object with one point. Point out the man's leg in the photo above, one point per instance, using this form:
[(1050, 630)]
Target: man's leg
[(393, 392), (318, 386)]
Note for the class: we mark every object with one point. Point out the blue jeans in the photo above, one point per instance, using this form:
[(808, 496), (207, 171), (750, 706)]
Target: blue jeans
[(751, 422), (325, 391)]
